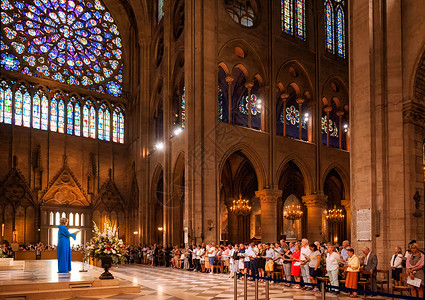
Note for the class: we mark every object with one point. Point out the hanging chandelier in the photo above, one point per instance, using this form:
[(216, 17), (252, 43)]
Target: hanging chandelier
[(293, 212), (335, 215), (241, 207)]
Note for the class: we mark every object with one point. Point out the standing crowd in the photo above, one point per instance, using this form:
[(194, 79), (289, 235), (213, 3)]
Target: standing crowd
[(299, 262), (294, 261)]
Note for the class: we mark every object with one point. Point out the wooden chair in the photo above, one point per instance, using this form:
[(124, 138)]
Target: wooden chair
[(218, 266), (323, 278), (384, 279), (277, 272), (365, 280), (401, 285)]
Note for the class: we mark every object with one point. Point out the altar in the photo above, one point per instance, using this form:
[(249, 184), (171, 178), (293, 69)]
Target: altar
[(39, 280)]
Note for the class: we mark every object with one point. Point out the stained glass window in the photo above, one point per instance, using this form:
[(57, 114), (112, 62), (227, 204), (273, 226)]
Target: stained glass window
[(77, 119), (287, 7), (118, 126), (183, 108), (300, 19), (121, 124), (329, 26), (2, 88), (340, 31), (61, 116), (100, 124), (107, 125), (333, 127), (71, 41), (18, 107), (36, 109), (26, 113), (220, 104), (255, 105), (160, 11), (54, 115), (103, 123), (6, 102), (292, 116), (86, 119), (92, 122), (70, 117), (115, 126), (293, 17), (44, 112)]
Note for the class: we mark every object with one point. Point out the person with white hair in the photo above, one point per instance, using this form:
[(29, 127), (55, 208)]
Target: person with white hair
[(305, 270)]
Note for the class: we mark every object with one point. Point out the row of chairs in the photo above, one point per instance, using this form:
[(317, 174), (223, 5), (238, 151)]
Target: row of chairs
[(383, 279)]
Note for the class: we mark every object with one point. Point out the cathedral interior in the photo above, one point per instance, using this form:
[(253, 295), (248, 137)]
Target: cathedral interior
[(158, 115)]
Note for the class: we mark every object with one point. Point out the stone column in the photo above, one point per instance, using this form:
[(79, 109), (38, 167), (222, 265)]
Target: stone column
[(229, 80), (268, 200), (347, 206), (300, 102), (284, 97), (328, 110), (316, 206), (249, 86)]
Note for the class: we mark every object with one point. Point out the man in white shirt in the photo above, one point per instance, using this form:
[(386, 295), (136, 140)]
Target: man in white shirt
[(252, 255), (332, 267), (305, 254)]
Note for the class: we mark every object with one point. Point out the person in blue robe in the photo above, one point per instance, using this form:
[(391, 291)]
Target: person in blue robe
[(64, 247)]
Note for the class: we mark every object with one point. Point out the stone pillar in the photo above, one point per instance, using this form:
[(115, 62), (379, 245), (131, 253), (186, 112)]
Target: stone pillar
[(229, 80), (268, 200), (284, 97), (300, 102), (347, 206), (316, 206)]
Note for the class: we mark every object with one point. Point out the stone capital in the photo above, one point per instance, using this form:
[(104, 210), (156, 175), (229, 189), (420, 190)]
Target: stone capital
[(229, 79), (249, 85), (268, 195), (284, 96), (315, 200), (328, 109), (340, 113), (300, 100)]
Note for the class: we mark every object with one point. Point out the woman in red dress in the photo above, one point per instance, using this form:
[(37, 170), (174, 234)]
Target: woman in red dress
[(296, 265)]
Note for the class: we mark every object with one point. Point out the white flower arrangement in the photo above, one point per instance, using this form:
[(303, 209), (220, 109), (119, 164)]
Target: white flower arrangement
[(106, 243)]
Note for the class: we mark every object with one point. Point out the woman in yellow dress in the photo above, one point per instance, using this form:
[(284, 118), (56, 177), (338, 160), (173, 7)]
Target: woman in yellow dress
[(353, 268)]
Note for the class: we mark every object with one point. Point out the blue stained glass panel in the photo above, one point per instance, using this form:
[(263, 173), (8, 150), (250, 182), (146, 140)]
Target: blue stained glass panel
[(44, 112), (36, 109), (26, 113), (61, 116), (183, 108), (100, 124), (70, 117), (18, 108), (54, 115), (115, 126), (340, 31), (77, 119), (329, 26), (300, 19), (287, 7)]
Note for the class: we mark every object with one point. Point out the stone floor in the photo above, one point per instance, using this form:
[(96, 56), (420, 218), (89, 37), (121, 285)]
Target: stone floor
[(170, 284)]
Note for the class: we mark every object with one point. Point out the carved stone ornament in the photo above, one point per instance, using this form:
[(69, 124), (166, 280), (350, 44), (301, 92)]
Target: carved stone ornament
[(417, 199), (64, 189), (15, 190), (414, 113), (109, 197)]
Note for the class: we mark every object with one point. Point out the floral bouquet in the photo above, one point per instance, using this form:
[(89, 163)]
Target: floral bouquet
[(105, 243)]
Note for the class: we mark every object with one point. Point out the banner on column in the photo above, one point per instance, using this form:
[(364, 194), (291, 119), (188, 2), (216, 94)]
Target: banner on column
[(364, 224)]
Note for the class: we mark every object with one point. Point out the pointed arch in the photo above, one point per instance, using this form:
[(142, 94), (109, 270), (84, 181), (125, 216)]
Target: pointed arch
[(302, 166), (252, 156), (344, 175)]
